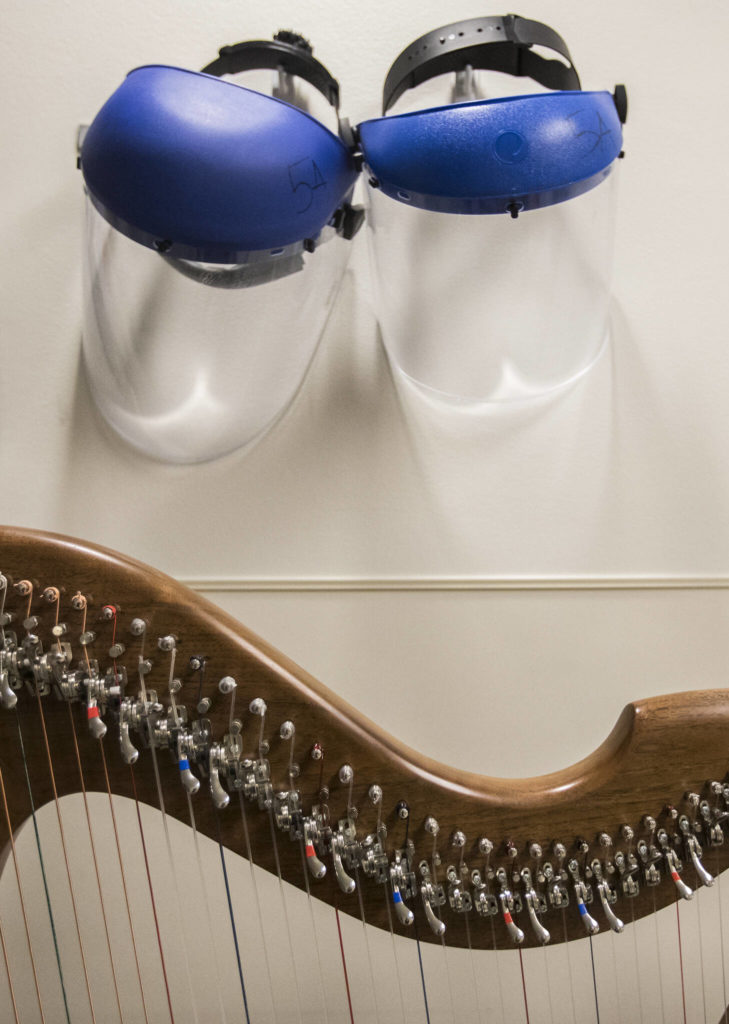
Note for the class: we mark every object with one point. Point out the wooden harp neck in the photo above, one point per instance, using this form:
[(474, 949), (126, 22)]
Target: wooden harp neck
[(142, 660)]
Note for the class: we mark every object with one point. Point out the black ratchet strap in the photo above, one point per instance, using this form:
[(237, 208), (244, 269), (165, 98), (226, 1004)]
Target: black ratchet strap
[(485, 44), (286, 52)]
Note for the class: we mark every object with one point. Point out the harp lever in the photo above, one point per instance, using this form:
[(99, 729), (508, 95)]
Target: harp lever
[(316, 868), (189, 781), (220, 797), (97, 728), (508, 904), (692, 845), (433, 895), (674, 866), (607, 896), (583, 895), (8, 697), (401, 878), (534, 907), (346, 882), (129, 752)]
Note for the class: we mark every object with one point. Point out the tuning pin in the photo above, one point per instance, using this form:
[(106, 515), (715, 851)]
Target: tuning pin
[(404, 913), (129, 752), (317, 869), (97, 728), (189, 781)]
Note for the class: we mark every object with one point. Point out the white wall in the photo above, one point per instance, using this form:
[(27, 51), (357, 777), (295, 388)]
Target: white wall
[(622, 474)]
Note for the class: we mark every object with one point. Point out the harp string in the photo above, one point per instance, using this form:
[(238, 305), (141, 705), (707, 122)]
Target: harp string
[(373, 986), (81, 603), (151, 896), (123, 881), (636, 954), (717, 875), (344, 965), (173, 686), (523, 986), (594, 981), (43, 875), (658, 955), (259, 911), (82, 782), (65, 852), (680, 958), (395, 959), (7, 971), (547, 975), (232, 924), (701, 944), (499, 985), (422, 972), (22, 906), (305, 873), (161, 801), (570, 975)]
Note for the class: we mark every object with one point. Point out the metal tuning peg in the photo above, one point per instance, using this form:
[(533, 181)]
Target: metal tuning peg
[(535, 904), (433, 896), (188, 780), (97, 728), (401, 882), (129, 752), (220, 798), (607, 896), (340, 838), (629, 869), (674, 865), (510, 904), (583, 896)]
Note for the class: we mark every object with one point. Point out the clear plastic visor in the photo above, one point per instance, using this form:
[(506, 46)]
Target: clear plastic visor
[(188, 361), (488, 308)]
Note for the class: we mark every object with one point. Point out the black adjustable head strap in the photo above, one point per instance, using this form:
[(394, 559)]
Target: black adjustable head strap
[(487, 44), (287, 52)]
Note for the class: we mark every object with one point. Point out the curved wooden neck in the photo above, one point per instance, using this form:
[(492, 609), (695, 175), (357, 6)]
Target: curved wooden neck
[(660, 751)]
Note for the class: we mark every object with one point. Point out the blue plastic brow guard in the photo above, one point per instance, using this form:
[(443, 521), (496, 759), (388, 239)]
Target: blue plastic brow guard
[(206, 170), (493, 156)]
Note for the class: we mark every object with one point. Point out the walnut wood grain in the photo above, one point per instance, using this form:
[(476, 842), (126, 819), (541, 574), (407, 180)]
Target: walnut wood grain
[(659, 750)]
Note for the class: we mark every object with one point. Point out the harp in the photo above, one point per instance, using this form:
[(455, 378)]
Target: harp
[(116, 680)]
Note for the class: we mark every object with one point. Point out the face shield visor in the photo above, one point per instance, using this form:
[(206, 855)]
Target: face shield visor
[(217, 228), (490, 217)]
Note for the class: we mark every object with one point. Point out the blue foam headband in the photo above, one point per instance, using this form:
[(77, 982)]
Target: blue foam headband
[(204, 169), (500, 155)]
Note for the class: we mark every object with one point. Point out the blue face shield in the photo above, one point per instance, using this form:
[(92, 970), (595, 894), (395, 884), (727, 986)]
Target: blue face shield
[(478, 310), (508, 154), (203, 169), (217, 227)]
